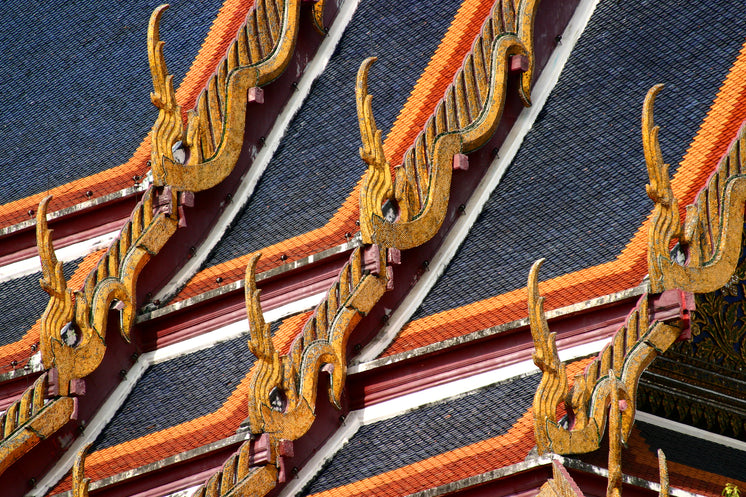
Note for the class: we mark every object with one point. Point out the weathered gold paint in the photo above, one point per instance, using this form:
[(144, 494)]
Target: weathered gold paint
[(713, 228), (215, 131), (321, 345), (41, 425), (635, 346), (422, 184)]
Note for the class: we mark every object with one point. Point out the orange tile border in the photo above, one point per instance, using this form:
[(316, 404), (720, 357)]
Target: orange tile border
[(223, 30), (711, 142), (477, 458), (437, 75)]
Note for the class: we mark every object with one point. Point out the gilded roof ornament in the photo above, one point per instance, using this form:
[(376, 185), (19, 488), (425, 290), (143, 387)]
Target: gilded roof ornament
[(283, 390), (168, 128), (464, 120), (616, 369), (73, 331), (214, 135), (79, 482), (711, 236), (31, 419), (377, 186)]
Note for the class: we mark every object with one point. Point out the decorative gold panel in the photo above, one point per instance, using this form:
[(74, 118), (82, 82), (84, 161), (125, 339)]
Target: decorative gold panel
[(463, 121), (215, 129), (615, 371), (73, 331), (282, 398), (711, 235)]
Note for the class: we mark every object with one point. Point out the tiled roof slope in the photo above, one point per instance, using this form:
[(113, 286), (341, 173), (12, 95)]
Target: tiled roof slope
[(172, 392), (317, 163), (23, 301), (81, 83), (433, 80), (694, 465), (437, 444), (585, 149), (428, 431), (695, 452), (179, 405)]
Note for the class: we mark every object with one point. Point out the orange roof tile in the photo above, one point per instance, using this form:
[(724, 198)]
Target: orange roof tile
[(222, 32), (480, 457), (717, 131)]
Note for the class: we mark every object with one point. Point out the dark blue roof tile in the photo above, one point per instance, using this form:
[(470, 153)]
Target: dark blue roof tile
[(75, 84), (575, 192), (179, 390), (426, 432), (694, 452)]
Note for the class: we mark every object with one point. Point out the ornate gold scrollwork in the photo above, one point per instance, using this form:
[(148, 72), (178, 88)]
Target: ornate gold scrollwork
[(168, 128), (377, 186), (714, 224), (463, 121), (30, 419), (215, 129), (618, 367), (284, 388), (73, 330)]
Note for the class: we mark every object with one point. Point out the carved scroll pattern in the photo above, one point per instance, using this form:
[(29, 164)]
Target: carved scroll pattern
[(73, 331), (73, 326), (284, 388), (464, 120), (214, 133), (630, 352), (30, 419), (712, 232)]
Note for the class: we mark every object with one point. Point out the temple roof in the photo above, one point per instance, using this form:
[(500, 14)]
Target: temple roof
[(440, 386)]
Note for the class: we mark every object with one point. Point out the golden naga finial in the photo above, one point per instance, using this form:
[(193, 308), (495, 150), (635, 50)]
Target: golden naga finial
[(377, 185), (168, 128), (659, 188), (553, 387), (60, 309), (79, 481), (712, 232), (269, 369), (632, 349), (66, 341)]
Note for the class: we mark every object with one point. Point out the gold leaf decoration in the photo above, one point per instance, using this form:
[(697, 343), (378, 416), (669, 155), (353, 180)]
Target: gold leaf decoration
[(284, 389), (711, 237), (464, 120)]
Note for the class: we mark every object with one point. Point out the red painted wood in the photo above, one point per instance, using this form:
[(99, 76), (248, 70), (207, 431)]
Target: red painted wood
[(72, 228), (496, 351)]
